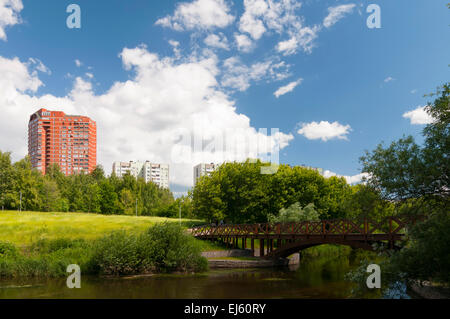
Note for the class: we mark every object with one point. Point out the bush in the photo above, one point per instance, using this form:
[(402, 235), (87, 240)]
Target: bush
[(173, 249), (164, 247), (427, 256), (116, 254), (7, 250)]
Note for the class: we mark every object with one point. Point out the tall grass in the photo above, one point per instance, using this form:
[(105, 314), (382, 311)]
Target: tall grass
[(164, 247), (326, 251), (25, 228)]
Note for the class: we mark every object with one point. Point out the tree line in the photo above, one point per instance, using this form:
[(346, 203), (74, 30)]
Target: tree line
[(239, 193), (21, 185)]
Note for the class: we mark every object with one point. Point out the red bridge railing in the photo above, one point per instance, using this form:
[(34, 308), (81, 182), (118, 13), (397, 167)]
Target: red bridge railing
[(389, 225)]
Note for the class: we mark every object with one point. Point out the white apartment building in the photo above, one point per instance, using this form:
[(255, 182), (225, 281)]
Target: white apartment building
[(150, 172), (203, 170)]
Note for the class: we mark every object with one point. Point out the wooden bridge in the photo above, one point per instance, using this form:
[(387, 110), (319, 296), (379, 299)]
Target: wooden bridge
[(282, 240)]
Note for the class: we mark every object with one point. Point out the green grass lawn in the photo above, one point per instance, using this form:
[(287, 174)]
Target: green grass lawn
[(24, 228)]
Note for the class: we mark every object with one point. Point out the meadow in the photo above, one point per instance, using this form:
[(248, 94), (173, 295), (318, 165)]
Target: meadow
[(25, 228), (36, 244)]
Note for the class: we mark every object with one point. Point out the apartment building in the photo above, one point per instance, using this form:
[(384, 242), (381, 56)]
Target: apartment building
[(67, 140), (203, 170), (150, 172)]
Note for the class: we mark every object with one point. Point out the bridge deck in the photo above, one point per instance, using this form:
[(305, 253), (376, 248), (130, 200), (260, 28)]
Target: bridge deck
[(281, 239)]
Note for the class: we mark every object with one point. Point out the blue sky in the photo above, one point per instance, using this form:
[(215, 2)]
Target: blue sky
[(354, 84)]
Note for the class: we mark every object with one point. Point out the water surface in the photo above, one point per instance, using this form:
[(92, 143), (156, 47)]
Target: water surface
[(319, 279)]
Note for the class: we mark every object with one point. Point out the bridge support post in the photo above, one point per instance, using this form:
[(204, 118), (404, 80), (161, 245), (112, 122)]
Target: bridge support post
[(244, 242), (253, 246), (261, 248)]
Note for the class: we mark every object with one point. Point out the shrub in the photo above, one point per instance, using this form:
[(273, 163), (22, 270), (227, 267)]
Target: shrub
[(116, 254), (172, 248), (164, 247), (7, 250), (427, 256)]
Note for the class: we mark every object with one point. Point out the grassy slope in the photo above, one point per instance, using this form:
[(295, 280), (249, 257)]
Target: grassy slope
[(26, 227)]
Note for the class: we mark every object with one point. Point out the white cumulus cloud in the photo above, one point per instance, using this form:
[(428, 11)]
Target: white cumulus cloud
[(9, 15), (324, 131), (41, 67), (239, 76), (288, 47), (158, 114), (270, 16), (243, 42), (219, 41), (355, 179), (287, 88), (199, 14), (337, 13), (419, 116)]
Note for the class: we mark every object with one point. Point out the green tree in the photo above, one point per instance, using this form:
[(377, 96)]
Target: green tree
[(51, 199), (94, 198), (366, 202), (98, 174), (417, 179), (127, 201), (239, 193), (406, 170), (109, 199), (8, 198), (295, 213), (26, 182)]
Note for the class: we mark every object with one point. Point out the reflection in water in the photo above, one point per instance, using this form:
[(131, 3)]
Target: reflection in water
[(320, 278)]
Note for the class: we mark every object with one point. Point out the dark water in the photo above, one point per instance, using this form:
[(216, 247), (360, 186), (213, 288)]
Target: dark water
[(320, 279)]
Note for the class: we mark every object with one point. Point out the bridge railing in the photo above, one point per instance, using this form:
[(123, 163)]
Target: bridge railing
[(390, 225)]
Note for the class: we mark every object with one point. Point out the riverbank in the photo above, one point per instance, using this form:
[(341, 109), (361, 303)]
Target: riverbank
[(243, 258), (427, 290), (162, 248)]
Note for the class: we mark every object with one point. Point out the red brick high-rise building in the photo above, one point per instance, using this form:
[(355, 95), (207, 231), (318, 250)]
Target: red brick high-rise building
[(67, 140)]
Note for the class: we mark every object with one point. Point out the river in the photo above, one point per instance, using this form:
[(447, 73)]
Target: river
[(322, 278)]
